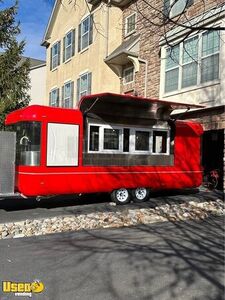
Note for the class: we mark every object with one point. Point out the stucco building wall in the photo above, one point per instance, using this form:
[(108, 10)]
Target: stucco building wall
[(38, 85), (106, 36)]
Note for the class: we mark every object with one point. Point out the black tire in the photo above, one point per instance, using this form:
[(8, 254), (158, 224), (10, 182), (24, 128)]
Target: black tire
[(120, 196), (140, 194)]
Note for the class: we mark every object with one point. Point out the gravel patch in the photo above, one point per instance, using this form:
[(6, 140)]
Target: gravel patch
[(192, 210)]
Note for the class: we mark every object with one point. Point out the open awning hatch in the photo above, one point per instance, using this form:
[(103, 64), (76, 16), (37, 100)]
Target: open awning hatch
[(130, 106)]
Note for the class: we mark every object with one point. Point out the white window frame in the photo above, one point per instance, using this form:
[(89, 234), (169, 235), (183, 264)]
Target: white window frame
[(124, 78), (70, 45), (101, 138), (86, 33), (132, 139), (55, 55), (54, 104), (199, 84), (206, 56), (126, 23), (84, 92), (167, 141), (70, 97)]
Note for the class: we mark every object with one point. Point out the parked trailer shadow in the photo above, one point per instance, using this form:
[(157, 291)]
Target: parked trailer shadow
[(170, 260), (102, 200)]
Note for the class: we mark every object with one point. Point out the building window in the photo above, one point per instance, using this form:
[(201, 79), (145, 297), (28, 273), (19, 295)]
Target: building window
[(55, 55), (174, 8), (128, 75), (84, 85), (118, 139), (192, 62), (130, 24), (69, 45), (85, 33), (67, 94), (54, 97), (210, 56)]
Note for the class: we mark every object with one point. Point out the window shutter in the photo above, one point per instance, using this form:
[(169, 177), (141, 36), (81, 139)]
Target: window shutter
[(72, 93), (57, 97), (78, 89), (91, 30), (59, 48), (89, 83), (50, 99), (64, 49), (79, 38), (51, 58), (73, 41), (166, 9), (63, 104), (189, 3)]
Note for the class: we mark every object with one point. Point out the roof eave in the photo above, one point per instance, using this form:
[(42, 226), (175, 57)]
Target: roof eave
[(116, 3), (49, 25), (111, 60)]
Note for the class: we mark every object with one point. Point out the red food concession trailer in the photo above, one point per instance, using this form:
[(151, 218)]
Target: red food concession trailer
[(121, 144)]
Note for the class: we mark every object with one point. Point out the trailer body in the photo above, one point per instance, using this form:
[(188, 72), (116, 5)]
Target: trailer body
[(103, 145)]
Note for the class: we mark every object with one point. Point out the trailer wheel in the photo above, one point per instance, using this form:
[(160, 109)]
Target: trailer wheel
[(140, 194), (120, 196)]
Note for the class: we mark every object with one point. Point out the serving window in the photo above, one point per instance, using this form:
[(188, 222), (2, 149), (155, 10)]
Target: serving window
[(105, 139), (142, 140), (111, 139), (160, 139), (94, 138), (123, 140)]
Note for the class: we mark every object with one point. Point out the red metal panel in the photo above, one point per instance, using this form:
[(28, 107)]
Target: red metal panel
[(43, 180), (44, 113)]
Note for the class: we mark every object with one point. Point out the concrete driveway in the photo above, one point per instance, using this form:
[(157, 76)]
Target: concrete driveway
[(183, 260)]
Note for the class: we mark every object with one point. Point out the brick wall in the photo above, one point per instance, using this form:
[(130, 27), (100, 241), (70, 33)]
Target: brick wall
[(211, 119), (149, 48), (150, 36)]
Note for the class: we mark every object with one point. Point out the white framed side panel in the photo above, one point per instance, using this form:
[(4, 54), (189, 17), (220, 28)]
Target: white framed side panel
[(62, 144)]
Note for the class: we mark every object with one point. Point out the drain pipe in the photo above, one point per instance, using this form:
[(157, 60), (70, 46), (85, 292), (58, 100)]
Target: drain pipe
[(144, 61), (108, 5)]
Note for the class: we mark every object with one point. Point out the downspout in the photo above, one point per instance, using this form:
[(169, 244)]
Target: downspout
[(107, 28), (146, 74)]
